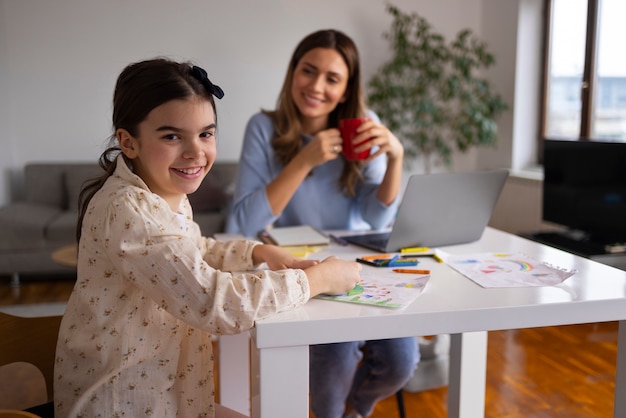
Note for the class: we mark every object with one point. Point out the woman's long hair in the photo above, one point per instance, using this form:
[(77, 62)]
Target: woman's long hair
[(141, 87), (286, 117)]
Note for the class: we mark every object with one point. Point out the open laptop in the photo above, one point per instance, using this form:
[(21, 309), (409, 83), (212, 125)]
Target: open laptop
[(439, 209)]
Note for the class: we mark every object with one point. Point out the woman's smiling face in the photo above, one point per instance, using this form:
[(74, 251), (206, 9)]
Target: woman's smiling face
[(175, 147), (319, 85)]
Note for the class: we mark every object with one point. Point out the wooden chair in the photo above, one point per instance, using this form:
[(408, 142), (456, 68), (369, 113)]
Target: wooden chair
[(33, 341), (12, 413), (223, 412)]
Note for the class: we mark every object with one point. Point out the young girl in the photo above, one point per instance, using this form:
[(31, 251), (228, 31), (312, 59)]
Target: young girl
[(292, 172), (136, 336)]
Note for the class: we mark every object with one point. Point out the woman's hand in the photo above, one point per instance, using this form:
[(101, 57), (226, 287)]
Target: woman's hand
[(380, 136), (278, 258), (324, 146)]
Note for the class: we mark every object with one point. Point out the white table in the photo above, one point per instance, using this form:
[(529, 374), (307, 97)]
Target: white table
[(450, 304)]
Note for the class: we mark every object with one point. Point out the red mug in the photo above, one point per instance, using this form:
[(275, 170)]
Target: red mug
[(348, 132)]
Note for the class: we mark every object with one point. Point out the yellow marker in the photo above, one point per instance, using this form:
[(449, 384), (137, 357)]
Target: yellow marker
[(436, 257), (414, 250)]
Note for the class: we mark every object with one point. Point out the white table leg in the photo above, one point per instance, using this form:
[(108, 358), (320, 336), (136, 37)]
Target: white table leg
[(280, 382), (234, 371), (619, 406), (468, 372)]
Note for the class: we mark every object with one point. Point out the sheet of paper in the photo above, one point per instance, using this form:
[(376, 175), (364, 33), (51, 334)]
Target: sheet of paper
[(382, 287), (507, 270)]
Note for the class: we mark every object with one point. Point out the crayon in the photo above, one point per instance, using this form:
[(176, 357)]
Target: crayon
[(413, 271)]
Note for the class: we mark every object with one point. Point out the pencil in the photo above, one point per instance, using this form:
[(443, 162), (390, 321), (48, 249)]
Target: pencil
[(413, 271)]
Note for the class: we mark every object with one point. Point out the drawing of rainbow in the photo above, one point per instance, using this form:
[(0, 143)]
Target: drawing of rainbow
[(524, 266)]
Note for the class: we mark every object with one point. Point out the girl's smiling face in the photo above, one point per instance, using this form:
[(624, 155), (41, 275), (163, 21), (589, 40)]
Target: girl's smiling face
[(174, 149), (319, 84)]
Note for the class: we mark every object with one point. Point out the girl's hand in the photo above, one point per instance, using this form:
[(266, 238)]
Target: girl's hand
[(380, 136), (324, 146), (333, 276), (278, 258)]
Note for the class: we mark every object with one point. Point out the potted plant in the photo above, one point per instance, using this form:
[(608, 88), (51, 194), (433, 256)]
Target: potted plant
[(430, 93)]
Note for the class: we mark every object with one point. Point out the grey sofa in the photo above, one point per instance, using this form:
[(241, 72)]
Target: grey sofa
[(44, 220)]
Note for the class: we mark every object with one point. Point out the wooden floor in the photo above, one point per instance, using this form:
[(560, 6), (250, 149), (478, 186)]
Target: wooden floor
[(565, 371)]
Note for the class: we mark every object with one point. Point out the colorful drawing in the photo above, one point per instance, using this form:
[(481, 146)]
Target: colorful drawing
[(383, 288), (507, 270), (523, 265)]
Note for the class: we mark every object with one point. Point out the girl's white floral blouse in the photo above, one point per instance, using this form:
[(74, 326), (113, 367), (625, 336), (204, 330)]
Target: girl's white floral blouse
[(135, 340)]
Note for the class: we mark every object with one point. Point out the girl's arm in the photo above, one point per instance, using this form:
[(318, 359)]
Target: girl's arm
[(331, 276), (144, 246), (141, 242)]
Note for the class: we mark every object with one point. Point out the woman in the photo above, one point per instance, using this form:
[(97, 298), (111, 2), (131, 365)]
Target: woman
[(292, 172)]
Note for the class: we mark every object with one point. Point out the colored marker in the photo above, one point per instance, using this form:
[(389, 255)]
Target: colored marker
[(376, 256), (412, 271), (369, 263), (414, 250), (436, 257)]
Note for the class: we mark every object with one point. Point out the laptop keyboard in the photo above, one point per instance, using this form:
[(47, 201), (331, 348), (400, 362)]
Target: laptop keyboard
[(377, 239), (379, 242)]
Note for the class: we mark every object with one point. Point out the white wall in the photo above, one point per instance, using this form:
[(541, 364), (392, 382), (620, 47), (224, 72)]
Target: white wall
[(59, 61), (6, 134)]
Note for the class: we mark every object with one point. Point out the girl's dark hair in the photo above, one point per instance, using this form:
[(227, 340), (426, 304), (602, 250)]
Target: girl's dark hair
[(141, 87), (286, 117)]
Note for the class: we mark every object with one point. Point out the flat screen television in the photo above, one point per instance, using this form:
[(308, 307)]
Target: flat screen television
[(585, 190)]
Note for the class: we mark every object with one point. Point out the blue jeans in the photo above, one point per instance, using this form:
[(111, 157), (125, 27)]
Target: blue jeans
[(359, 373)]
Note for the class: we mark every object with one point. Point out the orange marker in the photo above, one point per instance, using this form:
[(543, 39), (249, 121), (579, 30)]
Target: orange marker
[(376, 256), (413, 271)]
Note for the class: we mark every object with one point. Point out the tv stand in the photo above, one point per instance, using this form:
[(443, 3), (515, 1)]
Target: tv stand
[(579, 243)]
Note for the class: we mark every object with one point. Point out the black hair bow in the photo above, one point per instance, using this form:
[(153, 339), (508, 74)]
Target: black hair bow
[(201, 75)]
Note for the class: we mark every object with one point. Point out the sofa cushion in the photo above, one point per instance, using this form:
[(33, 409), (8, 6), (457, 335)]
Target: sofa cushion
[(43, 184), (62, 229), (75, 177), (23, 225)]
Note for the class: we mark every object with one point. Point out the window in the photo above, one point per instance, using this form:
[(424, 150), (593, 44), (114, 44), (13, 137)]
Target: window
[(585, 76)]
